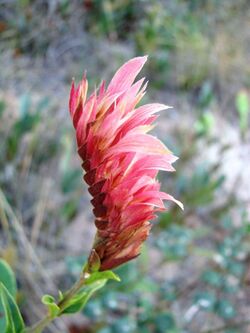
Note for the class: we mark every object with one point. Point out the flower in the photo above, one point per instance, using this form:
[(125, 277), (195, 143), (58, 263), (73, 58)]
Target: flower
[(121, 161)]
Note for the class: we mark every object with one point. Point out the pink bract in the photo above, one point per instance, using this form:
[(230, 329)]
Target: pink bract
[(121, 161)]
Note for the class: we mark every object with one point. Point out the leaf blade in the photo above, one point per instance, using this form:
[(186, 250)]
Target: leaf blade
[(14, 320)]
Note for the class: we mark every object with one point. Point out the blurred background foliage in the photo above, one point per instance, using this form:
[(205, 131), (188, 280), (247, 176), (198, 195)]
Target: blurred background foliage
[(193, 274)]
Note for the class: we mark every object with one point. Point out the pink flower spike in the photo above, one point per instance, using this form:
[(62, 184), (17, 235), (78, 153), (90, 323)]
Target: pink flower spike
[(121, 161)]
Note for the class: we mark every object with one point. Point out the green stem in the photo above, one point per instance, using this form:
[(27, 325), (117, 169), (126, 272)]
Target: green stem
[(72, 291), (63, 304)]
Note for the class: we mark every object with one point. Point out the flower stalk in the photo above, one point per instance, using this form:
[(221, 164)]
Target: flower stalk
[(62, 305)]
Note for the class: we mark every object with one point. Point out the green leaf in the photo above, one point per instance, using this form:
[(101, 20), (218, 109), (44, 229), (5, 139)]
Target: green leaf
[(94, 282), (8, 279), (105, 275), (79, 301), (13, 318), (53, 308)]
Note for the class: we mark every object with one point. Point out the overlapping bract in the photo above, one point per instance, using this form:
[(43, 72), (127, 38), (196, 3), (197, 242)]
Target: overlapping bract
[(121, 161)]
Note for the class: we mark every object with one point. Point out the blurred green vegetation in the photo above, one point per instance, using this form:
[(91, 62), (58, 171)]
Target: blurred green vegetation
[(193, 274), (189, 42)]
